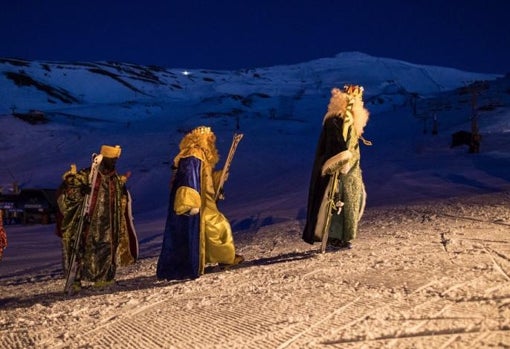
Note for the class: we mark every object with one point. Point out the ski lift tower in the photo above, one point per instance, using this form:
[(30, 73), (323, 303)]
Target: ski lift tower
[(475, 88)]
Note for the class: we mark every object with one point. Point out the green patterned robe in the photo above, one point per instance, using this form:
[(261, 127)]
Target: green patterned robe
[(109, 239), (336, 150)]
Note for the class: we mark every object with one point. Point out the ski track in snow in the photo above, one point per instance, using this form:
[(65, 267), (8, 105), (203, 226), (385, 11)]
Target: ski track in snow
[(429, 275)]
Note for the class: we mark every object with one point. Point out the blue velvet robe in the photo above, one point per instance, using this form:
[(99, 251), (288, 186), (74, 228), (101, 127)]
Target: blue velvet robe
[(180, 252)]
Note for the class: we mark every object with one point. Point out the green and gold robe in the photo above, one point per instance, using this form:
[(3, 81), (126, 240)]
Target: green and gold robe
[(109, 237)]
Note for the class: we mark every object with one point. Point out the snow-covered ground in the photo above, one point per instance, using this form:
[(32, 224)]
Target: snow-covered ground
[(428, 275), (429, 269)]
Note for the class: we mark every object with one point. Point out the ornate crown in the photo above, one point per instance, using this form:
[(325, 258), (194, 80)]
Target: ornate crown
[(201, 130), (355, 91)]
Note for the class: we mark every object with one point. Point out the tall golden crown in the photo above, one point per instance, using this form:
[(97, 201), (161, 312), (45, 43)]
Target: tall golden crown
[(355, 91), (110, 152), (201, 130)]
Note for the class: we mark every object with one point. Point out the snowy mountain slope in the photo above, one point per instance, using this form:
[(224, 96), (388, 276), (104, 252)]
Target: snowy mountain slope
[(147, 109), (39, 85)]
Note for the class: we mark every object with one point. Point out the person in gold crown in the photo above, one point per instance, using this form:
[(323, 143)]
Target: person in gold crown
[(338, 150), (109, 237), (196, 232)]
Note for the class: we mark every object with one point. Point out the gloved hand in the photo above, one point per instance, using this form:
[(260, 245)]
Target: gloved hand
[(194, 211), (338, 206)]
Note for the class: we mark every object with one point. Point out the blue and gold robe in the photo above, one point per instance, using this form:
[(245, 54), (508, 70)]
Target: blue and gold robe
[(192, 241)]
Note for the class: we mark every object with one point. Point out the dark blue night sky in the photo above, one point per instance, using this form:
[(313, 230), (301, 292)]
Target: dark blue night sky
[(468, 35)]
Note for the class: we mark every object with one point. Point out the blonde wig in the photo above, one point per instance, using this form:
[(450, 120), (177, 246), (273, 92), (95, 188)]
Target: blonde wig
[(340, 101), (199, 141)]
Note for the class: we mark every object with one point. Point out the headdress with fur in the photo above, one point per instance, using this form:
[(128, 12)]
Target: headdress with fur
[(349, 101)]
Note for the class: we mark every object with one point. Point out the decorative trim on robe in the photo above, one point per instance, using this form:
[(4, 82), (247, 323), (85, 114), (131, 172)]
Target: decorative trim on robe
[(339, 161)]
